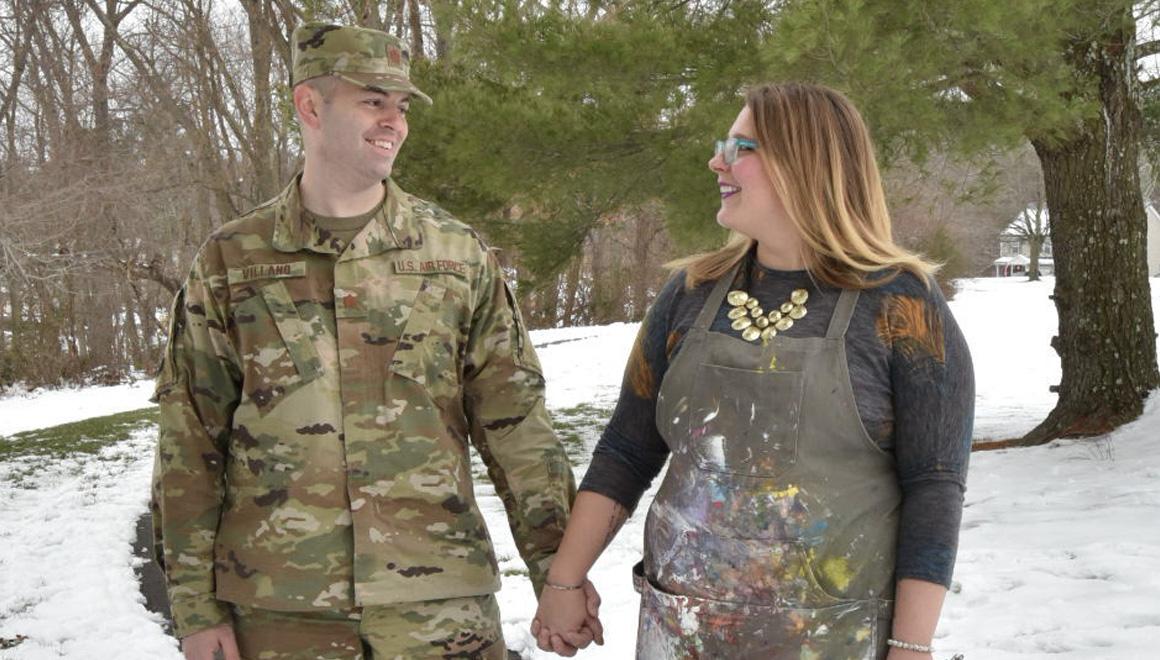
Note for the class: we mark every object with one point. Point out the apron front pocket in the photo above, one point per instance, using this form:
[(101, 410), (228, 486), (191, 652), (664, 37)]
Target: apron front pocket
[(679, 626)]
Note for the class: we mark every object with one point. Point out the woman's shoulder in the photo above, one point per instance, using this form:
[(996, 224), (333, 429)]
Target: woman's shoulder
[(676, 288), (893, 283), (676, 304)]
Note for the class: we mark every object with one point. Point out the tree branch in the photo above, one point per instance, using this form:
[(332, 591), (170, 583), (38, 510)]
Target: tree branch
[(1147, 49)]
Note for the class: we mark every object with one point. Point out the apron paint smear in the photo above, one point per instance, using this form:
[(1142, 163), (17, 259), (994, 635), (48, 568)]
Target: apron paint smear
[(773, 534)]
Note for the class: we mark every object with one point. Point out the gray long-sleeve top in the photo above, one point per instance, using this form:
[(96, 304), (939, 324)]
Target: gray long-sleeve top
[(913, 383)]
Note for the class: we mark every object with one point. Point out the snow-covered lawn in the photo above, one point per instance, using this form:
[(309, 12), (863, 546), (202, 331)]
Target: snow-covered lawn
[(25, 411), (1059, 555)]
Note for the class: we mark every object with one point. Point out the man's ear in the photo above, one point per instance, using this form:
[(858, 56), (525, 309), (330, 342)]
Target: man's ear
[(306, 102)]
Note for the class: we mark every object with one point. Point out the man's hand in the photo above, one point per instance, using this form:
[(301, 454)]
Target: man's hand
[(592, 623), (203, 644)]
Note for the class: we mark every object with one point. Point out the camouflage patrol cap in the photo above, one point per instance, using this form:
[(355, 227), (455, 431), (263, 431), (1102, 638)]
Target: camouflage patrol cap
[(368, 58)]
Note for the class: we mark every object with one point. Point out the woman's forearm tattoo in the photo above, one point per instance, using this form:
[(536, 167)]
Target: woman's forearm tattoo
[(619, 515)]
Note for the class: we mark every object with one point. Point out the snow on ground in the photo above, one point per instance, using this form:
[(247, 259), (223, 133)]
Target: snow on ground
[(25, 411), (66, 566), (584, 365), (1008, 323), (1060, 551), (1059, 555)]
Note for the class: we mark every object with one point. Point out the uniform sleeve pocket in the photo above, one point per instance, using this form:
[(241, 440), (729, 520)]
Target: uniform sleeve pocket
[(167, 374), (522, 350)]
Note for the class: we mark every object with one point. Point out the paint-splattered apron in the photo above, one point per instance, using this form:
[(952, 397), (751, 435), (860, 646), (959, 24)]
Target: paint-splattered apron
[(773, 534)]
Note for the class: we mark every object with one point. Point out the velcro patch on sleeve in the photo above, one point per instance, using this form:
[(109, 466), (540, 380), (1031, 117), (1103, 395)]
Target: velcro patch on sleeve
[(430, 266), (267, 272)]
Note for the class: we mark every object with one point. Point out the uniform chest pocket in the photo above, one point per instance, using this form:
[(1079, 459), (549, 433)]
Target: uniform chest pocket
[(278, 351), (745, 422), (428, 349)]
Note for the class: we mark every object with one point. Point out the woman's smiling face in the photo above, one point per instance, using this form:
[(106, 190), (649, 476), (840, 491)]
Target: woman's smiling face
[(749, 204)]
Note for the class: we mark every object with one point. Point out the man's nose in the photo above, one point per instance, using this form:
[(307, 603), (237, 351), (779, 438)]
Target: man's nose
[(390, 115)]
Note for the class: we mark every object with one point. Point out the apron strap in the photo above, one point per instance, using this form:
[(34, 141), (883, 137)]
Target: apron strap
[(709, 311), (843, 312)]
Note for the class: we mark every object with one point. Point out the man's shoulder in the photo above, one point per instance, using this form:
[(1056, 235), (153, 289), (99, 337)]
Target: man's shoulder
[(255, 226), (236, 241), (440, 226)]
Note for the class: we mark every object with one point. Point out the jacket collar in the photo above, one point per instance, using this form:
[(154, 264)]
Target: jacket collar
[(392, 228)]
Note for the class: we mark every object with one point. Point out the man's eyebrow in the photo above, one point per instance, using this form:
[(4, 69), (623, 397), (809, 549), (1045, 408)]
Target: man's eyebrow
[(386, 93)]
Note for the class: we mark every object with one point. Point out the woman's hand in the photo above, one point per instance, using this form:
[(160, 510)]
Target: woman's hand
[(567, 620)]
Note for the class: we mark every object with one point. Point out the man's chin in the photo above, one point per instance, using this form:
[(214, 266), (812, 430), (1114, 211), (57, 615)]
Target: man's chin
[(372, 175)]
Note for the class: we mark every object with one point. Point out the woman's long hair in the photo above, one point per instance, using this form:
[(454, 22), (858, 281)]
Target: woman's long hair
[(818, 155)]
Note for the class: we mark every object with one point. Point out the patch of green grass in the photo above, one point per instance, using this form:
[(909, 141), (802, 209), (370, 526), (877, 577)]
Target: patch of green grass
[(87, 436), (509, 572), (579, 427)]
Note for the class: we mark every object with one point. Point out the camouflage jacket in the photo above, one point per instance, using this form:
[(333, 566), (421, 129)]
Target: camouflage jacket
[(316, 407)]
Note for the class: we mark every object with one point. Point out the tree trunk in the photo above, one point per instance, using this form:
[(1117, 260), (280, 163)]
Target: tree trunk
[(572, 290), (367, 14), (442, 12), (1033, 267), (1107, 338), (265, 160), (399, 10), (552, 302), (416, 31)]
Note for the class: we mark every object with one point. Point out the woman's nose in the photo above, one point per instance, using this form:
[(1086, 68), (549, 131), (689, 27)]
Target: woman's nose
[(717, 163)]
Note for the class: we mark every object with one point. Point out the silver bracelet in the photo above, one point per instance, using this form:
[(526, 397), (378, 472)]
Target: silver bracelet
[(909, 646), (563, 587)]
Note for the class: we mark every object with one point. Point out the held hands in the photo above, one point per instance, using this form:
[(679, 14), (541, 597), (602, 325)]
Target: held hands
[(567, 620)]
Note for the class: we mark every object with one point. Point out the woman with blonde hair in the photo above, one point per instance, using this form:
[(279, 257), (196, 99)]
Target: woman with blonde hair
[(816, 399)]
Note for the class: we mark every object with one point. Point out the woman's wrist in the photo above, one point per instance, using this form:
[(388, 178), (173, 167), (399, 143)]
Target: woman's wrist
[(565, 579), (561, 574), (907, 650), (563, 586)]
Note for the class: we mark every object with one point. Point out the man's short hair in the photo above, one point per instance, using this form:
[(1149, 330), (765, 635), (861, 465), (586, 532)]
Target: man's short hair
[(324, 85)]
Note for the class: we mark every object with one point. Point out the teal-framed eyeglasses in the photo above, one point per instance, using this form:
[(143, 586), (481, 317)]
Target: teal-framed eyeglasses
[(731, 148)]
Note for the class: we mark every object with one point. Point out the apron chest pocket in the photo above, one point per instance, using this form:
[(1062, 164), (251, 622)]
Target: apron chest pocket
[(745, 422)]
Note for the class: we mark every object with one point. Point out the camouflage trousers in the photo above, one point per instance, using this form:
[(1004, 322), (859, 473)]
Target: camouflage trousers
[(450, 628)]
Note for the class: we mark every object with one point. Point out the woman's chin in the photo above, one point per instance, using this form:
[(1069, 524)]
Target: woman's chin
[(723, 218)]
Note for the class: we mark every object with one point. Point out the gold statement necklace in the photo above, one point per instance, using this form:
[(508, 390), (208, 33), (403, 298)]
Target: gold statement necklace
[(753, 323)]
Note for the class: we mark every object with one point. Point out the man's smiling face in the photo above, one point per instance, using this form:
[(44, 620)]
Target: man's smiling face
[(361, 132)]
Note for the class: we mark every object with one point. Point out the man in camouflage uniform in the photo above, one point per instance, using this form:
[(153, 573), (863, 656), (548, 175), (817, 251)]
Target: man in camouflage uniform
[(330, 356)]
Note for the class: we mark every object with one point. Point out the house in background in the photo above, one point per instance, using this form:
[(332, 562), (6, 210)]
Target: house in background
[(1015, 248), (1015, 244)]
